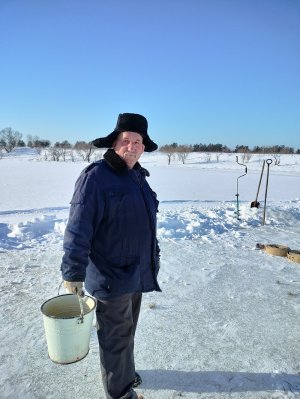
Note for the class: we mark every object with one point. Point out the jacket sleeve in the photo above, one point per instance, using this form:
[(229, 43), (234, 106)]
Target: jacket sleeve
[(86, 212)]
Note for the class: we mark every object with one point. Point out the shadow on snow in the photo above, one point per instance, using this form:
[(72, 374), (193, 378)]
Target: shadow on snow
[(218, 381)]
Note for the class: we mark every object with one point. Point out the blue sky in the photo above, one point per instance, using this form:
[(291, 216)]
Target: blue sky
[(201, 71)]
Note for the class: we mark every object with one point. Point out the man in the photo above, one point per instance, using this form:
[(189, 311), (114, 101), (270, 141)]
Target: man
[(110, 244)]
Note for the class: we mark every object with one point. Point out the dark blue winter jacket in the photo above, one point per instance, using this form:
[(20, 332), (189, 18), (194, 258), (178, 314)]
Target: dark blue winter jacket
[(110, 239)]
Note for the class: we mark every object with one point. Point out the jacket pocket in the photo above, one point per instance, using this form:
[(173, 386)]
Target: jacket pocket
[(124, 267)]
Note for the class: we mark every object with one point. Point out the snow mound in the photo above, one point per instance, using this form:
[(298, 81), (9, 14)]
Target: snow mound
[(25, 234), (192, 222), (186, 223)]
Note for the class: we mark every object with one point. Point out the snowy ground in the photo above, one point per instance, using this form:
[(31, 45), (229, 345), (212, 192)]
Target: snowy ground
[(227, 322)]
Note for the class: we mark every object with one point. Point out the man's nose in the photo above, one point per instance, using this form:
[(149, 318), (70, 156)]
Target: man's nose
[(130, 146)]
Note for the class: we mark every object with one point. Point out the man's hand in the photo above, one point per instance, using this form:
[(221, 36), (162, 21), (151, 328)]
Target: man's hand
[(74, 287)]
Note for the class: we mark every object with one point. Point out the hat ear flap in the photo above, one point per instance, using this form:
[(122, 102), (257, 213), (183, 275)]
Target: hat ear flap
[(97, 143), (114, 144)]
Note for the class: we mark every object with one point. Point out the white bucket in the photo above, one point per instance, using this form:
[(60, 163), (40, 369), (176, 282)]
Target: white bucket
[(68, 329)]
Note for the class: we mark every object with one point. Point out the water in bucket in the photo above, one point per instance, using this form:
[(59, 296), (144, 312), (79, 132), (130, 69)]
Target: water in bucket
[(68, 328)]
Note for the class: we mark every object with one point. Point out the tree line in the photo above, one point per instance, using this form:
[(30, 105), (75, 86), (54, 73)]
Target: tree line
[(10, 139), (278, 149)]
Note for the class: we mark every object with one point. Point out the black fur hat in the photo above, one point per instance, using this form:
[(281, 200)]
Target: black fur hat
[(128, 123)]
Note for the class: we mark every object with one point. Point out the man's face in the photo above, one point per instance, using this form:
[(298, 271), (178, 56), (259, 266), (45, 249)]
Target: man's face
[(129, 146)]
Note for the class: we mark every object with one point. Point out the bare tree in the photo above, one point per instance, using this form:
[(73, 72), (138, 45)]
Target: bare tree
[(169, 150), (9, 139), (208, 156), (277, 159), (61, 150), (56, 153), (84, 150), (183, 152), (245, 151), (72, 156), (218, 155)]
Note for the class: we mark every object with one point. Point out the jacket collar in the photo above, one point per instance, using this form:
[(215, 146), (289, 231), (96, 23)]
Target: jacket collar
[(119, 165)]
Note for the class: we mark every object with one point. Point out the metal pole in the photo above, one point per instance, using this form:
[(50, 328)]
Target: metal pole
[(268, 161), (237, 188)]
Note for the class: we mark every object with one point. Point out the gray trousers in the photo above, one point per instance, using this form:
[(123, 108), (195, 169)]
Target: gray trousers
[(116, 324)]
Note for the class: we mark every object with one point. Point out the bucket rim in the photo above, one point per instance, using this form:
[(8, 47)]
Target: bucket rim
[(67, 317)]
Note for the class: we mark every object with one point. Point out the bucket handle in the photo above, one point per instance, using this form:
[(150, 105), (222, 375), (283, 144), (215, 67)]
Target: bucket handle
[(81, 318)]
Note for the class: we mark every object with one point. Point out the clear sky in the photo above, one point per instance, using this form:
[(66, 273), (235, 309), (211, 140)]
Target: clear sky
[(201, 71)]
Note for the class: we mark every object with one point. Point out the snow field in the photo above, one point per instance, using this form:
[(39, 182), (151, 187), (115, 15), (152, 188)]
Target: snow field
[(226, 324)]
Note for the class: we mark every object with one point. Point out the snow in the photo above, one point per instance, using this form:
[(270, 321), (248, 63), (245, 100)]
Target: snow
[(227, 322)]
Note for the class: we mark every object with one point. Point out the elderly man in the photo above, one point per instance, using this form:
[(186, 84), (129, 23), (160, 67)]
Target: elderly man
[(110, 244)]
